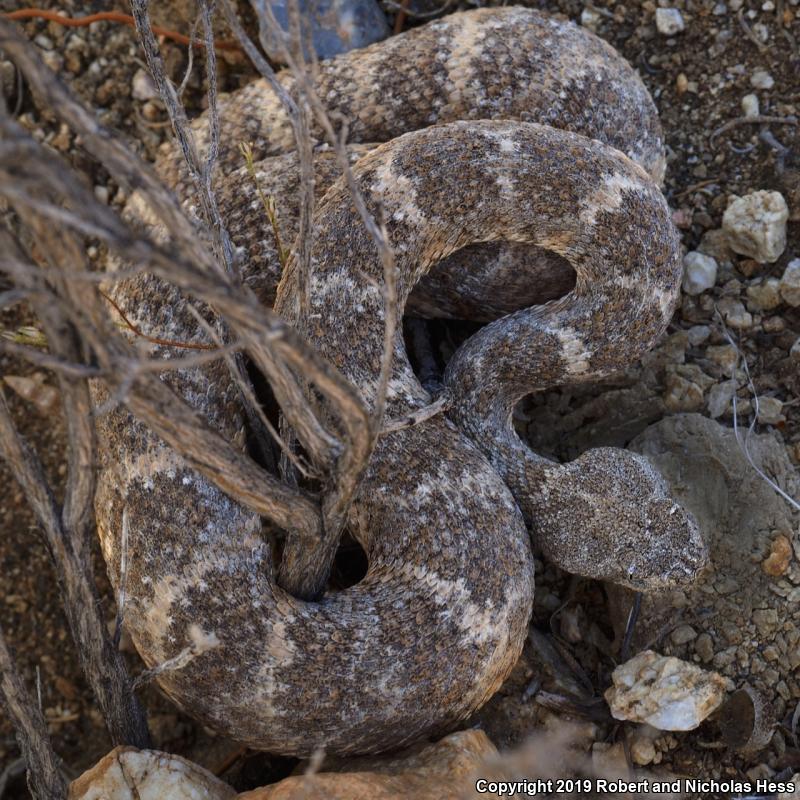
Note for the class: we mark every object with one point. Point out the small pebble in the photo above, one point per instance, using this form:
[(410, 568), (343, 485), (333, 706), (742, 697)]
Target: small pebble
[(43, 41), (779, 558), (790, 283), (704, 647), (764, 296), (142, 86), (682, 395), (34, 390), (750, 105), (773, 324), (590, 19), (735, 314), (669, 21), (755, 225), (643, 751), (769, 411), (698, 334), (699, 272), (761, 79), (794, 353), (683, 634), (723, 354), (719, 398)]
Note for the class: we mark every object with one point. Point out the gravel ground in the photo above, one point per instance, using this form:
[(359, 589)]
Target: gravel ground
[(728, 57)]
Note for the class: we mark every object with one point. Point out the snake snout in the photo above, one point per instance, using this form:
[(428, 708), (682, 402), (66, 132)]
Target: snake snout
[(622, 525), (677, 553)]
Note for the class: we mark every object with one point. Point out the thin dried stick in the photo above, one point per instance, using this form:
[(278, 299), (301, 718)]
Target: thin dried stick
[(102, 664), (304, 570), (45, 779), (68, 528), (106, 16), (744, 441), (155, 339), (759, 119)]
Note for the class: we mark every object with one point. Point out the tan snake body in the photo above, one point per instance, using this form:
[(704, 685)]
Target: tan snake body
[(439, 619)]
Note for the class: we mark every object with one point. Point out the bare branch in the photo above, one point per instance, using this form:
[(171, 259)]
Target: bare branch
[(101, 662), (45, 779), (304, 570)]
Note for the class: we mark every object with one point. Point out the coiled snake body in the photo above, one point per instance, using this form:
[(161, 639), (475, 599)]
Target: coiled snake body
[(440, 617)]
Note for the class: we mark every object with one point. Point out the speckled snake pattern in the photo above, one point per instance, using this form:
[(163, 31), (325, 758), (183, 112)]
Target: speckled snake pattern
[(515, 159)]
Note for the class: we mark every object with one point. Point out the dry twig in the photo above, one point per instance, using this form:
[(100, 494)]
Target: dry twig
[(44, 774)]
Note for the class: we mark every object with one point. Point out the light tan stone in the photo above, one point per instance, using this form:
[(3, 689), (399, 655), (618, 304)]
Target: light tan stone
[(437, 771), (130, 774), (663, 691)]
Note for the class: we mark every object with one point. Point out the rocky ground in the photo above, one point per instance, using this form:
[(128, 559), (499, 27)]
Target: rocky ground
[(712, 67)]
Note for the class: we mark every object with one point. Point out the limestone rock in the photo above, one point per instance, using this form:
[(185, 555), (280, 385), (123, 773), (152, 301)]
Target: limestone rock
[(130, 774), (764, 296), (761, 79), (669, 21), (734, 313), (643, 749), (439, 771), (699, 272), (663, 691), (142, 86), (755, 225), (750, 105), (35, 390), (790, 283), (769, 411)]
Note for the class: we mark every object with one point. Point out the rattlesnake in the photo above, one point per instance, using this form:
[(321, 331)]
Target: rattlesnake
[(437, 623)]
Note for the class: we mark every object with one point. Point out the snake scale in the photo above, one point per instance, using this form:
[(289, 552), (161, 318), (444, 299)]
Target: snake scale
[(518, 181)]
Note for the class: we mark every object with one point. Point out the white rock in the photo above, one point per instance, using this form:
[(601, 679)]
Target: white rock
[(755, 225), (761, 79), (719, 398), (590, 18), (665, 692), (669, 21), (750, 105), (129, 774), (35, 390), (790, 283), (683, 634), (44, 42), (764, 296), (698, 334), (699, 272), (769, 411), (643, 751), (143, 87), (735, 314), (794, 353)]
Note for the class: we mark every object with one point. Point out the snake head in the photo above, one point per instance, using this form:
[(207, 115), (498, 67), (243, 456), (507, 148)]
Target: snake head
[(609, 515)]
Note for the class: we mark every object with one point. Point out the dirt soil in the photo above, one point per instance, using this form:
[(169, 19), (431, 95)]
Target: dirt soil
[(698, 78)]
